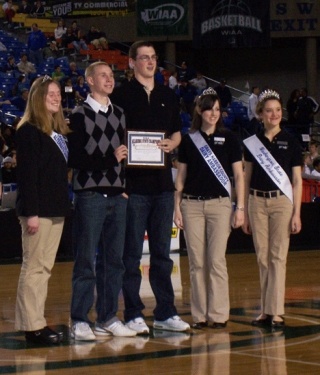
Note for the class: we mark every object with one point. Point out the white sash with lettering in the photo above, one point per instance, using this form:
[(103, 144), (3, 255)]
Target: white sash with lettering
[(61, 143), (211, 159), (270, 165)]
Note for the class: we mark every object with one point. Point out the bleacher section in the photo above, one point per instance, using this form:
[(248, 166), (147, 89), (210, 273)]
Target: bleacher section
[(45, 24), (15, 47)]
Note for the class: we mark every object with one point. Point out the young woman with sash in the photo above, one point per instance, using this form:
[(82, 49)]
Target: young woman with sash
[(273, 183), (208, 155), (42, 203)]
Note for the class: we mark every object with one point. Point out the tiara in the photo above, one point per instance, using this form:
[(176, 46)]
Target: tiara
[(268, 94), (208, 91), (46, 78)]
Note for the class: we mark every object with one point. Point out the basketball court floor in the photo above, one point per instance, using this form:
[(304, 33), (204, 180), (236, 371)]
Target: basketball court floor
[(237, 350)]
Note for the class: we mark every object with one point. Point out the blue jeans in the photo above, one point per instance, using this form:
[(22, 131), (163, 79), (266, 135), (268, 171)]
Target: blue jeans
[(98, 240), (153, 213)]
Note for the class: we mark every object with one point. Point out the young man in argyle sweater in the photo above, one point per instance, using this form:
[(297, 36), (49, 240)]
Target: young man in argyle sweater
[(96, 154)]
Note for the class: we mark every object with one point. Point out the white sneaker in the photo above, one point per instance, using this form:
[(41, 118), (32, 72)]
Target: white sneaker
[(175, 323), (81, 331), (138, 325), (116, 329)]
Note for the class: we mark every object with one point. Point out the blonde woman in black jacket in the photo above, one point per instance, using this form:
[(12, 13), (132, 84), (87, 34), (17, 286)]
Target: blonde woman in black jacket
[(42, 203)]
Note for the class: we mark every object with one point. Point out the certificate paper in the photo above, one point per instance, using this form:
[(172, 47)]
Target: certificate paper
[(143, 149)]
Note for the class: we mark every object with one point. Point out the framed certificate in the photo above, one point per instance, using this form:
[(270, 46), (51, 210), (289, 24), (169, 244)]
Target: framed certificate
[(143, 150)]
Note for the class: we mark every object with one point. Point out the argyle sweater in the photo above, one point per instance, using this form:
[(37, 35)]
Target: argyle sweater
[(92, 142)]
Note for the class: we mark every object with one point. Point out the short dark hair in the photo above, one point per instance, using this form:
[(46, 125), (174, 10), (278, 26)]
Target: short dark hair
[(316, 162), (134, 47)]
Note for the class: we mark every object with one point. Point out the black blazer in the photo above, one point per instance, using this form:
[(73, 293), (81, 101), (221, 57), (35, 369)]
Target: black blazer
[(42, 175)]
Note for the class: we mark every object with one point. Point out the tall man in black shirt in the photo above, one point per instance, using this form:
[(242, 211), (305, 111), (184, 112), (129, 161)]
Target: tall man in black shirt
[(149, 107)]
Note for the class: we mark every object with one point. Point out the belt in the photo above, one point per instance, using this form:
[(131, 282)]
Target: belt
[(201, 197), (266, 194)]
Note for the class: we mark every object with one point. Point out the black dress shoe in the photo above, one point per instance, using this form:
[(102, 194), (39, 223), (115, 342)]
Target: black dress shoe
[(199, 325), (264, 322), (277, 324), (216, 325), (43, 336)]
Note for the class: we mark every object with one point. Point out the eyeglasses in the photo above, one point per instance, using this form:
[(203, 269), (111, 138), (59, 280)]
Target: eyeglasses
[(146, 58), (46, 78)]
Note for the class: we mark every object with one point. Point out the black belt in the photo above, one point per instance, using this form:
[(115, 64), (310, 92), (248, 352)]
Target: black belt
[(201, 197), (266, 194)]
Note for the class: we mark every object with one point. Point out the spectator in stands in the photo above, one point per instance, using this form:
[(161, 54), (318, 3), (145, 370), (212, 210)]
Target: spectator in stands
[(21, 101), (38, 9), (173, 82), (185, 119), (11, 65), (8, 133), (78, 39), (73, 71), (81, 90), (224, 93), (8, 172), (59, 32), (97, 38), (20, 84), (42, 204), (57, 74), (9, 12), (311, 156), (307, 107), (13, 155), (36, 42), (255, 123), (199, 82), (24, 7), (158, 77), (128, 76), (3, 149), (51, 50), (292, 106), (24, 66), (187, 93), (203, 207), (67, 38), (185, 73), (316, 167)]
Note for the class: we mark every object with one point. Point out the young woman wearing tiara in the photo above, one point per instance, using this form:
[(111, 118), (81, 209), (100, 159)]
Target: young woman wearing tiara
[(208, 155), (273, 184)]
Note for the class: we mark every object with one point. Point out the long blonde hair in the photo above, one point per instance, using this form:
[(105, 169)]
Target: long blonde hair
[(36, 112)]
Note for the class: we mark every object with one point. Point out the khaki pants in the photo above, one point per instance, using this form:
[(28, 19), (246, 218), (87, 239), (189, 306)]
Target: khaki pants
[(270, 223), (39, 252), (207, 228)]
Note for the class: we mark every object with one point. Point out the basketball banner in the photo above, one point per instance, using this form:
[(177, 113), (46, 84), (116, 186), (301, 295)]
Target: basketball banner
[(231, 23)]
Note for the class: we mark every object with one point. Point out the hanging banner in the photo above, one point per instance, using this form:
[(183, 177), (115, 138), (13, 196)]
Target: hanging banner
[(156, 17), (88, 8), (231, 23), (293, 18)]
